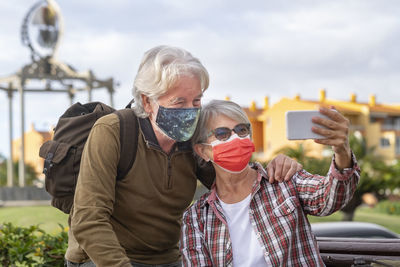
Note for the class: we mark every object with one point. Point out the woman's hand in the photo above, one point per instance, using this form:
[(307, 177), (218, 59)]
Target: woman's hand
[(282, 168), (336, 132)]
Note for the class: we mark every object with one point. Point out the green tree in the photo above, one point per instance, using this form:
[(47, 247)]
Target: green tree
[(376, 175), (30, 173)]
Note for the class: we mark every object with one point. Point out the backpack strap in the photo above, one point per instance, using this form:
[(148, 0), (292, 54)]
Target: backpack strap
[(129, 133)]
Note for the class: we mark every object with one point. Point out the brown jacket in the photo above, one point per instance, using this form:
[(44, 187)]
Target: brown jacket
[(137, 218)]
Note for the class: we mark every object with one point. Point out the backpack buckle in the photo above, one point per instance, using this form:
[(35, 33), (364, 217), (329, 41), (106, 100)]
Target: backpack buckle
[(47, 163)]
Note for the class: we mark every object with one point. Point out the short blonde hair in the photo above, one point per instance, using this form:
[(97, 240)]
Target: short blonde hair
[(160, 69)]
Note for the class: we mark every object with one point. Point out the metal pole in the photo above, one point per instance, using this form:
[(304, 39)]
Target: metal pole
[(90, 86), (10, 169), (71, 95), (111, 99), (110, 88), (21, 166), (111, 91)]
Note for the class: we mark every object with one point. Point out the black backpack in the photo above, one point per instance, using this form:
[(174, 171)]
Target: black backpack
[(63, 154)]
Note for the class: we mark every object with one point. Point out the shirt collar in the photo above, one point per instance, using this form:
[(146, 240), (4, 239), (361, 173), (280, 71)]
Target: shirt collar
[(262, 174)]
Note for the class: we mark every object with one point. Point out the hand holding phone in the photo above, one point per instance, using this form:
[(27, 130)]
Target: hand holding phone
[(299, 124), (335, 130)]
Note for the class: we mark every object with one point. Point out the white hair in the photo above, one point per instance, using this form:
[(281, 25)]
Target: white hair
[(160, 69), (213, 109)]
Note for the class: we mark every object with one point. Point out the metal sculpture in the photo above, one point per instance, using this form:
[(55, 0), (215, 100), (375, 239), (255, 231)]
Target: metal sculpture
[(41, 32)]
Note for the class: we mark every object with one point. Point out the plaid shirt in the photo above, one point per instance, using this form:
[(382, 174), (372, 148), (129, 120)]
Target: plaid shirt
[(278, 216)]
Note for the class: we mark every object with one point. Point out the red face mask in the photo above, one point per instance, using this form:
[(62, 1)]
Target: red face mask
[(234, 154)]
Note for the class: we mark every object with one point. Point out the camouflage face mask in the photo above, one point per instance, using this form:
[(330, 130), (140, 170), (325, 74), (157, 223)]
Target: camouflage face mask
[(178, 123)]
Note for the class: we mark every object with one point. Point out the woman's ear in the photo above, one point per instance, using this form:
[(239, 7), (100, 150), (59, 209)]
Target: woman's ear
[(146, 104), (201, 151)]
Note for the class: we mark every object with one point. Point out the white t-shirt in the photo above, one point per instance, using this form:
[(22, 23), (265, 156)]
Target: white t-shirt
[(246, 248)]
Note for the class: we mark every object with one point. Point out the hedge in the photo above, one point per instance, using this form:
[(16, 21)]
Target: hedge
[(31, 246), (388, 207)]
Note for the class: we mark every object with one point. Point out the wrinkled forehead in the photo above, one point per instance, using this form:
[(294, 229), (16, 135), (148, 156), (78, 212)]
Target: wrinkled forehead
[(185, 88)]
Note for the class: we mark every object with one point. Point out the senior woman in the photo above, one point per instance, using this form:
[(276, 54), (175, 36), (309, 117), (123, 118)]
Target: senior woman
[(247, 221)]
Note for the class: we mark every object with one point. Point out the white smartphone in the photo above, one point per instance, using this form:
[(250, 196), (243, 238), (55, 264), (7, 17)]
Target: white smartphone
[(299, 124)]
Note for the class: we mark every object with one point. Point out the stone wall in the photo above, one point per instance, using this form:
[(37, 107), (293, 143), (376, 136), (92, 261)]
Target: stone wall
[(23, 193)]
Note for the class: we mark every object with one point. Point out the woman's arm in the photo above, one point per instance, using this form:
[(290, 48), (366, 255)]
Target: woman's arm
[(321, 195), (192, 245), (324, 195), (336, 132)]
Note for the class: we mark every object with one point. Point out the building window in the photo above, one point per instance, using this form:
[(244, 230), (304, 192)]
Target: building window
[(391, 123), (397, 123), (387, 124), (385, 142)]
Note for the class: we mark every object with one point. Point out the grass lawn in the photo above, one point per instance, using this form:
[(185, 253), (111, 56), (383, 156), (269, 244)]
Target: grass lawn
[(365, 214), (47, 217)]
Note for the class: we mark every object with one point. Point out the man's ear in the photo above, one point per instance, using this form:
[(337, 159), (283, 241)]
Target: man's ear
[(200, 150), (146, 104)]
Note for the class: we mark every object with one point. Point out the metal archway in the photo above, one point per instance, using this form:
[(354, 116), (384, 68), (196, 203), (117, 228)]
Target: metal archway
[(58, 77)]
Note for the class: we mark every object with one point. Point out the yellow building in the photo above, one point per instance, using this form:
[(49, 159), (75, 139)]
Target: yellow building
[(378, 123), (33, 140)]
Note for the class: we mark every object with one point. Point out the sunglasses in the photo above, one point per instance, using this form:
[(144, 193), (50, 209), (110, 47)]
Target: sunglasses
[(223, 133)]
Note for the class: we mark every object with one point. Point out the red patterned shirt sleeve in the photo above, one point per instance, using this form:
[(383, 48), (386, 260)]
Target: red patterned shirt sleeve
[(193, 248), (321, 196)]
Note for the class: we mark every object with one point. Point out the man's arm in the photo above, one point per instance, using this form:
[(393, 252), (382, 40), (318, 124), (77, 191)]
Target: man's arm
[(94, 197), (279, 169)]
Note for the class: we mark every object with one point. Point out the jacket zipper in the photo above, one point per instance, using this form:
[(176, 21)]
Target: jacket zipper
[(169, 165), (169, 173)]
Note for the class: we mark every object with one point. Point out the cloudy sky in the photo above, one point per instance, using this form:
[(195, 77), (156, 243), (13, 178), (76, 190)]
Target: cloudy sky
[(251, 49)]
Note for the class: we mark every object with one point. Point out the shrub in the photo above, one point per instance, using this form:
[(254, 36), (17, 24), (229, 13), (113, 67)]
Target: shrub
[(31, 246), (388, 207)]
